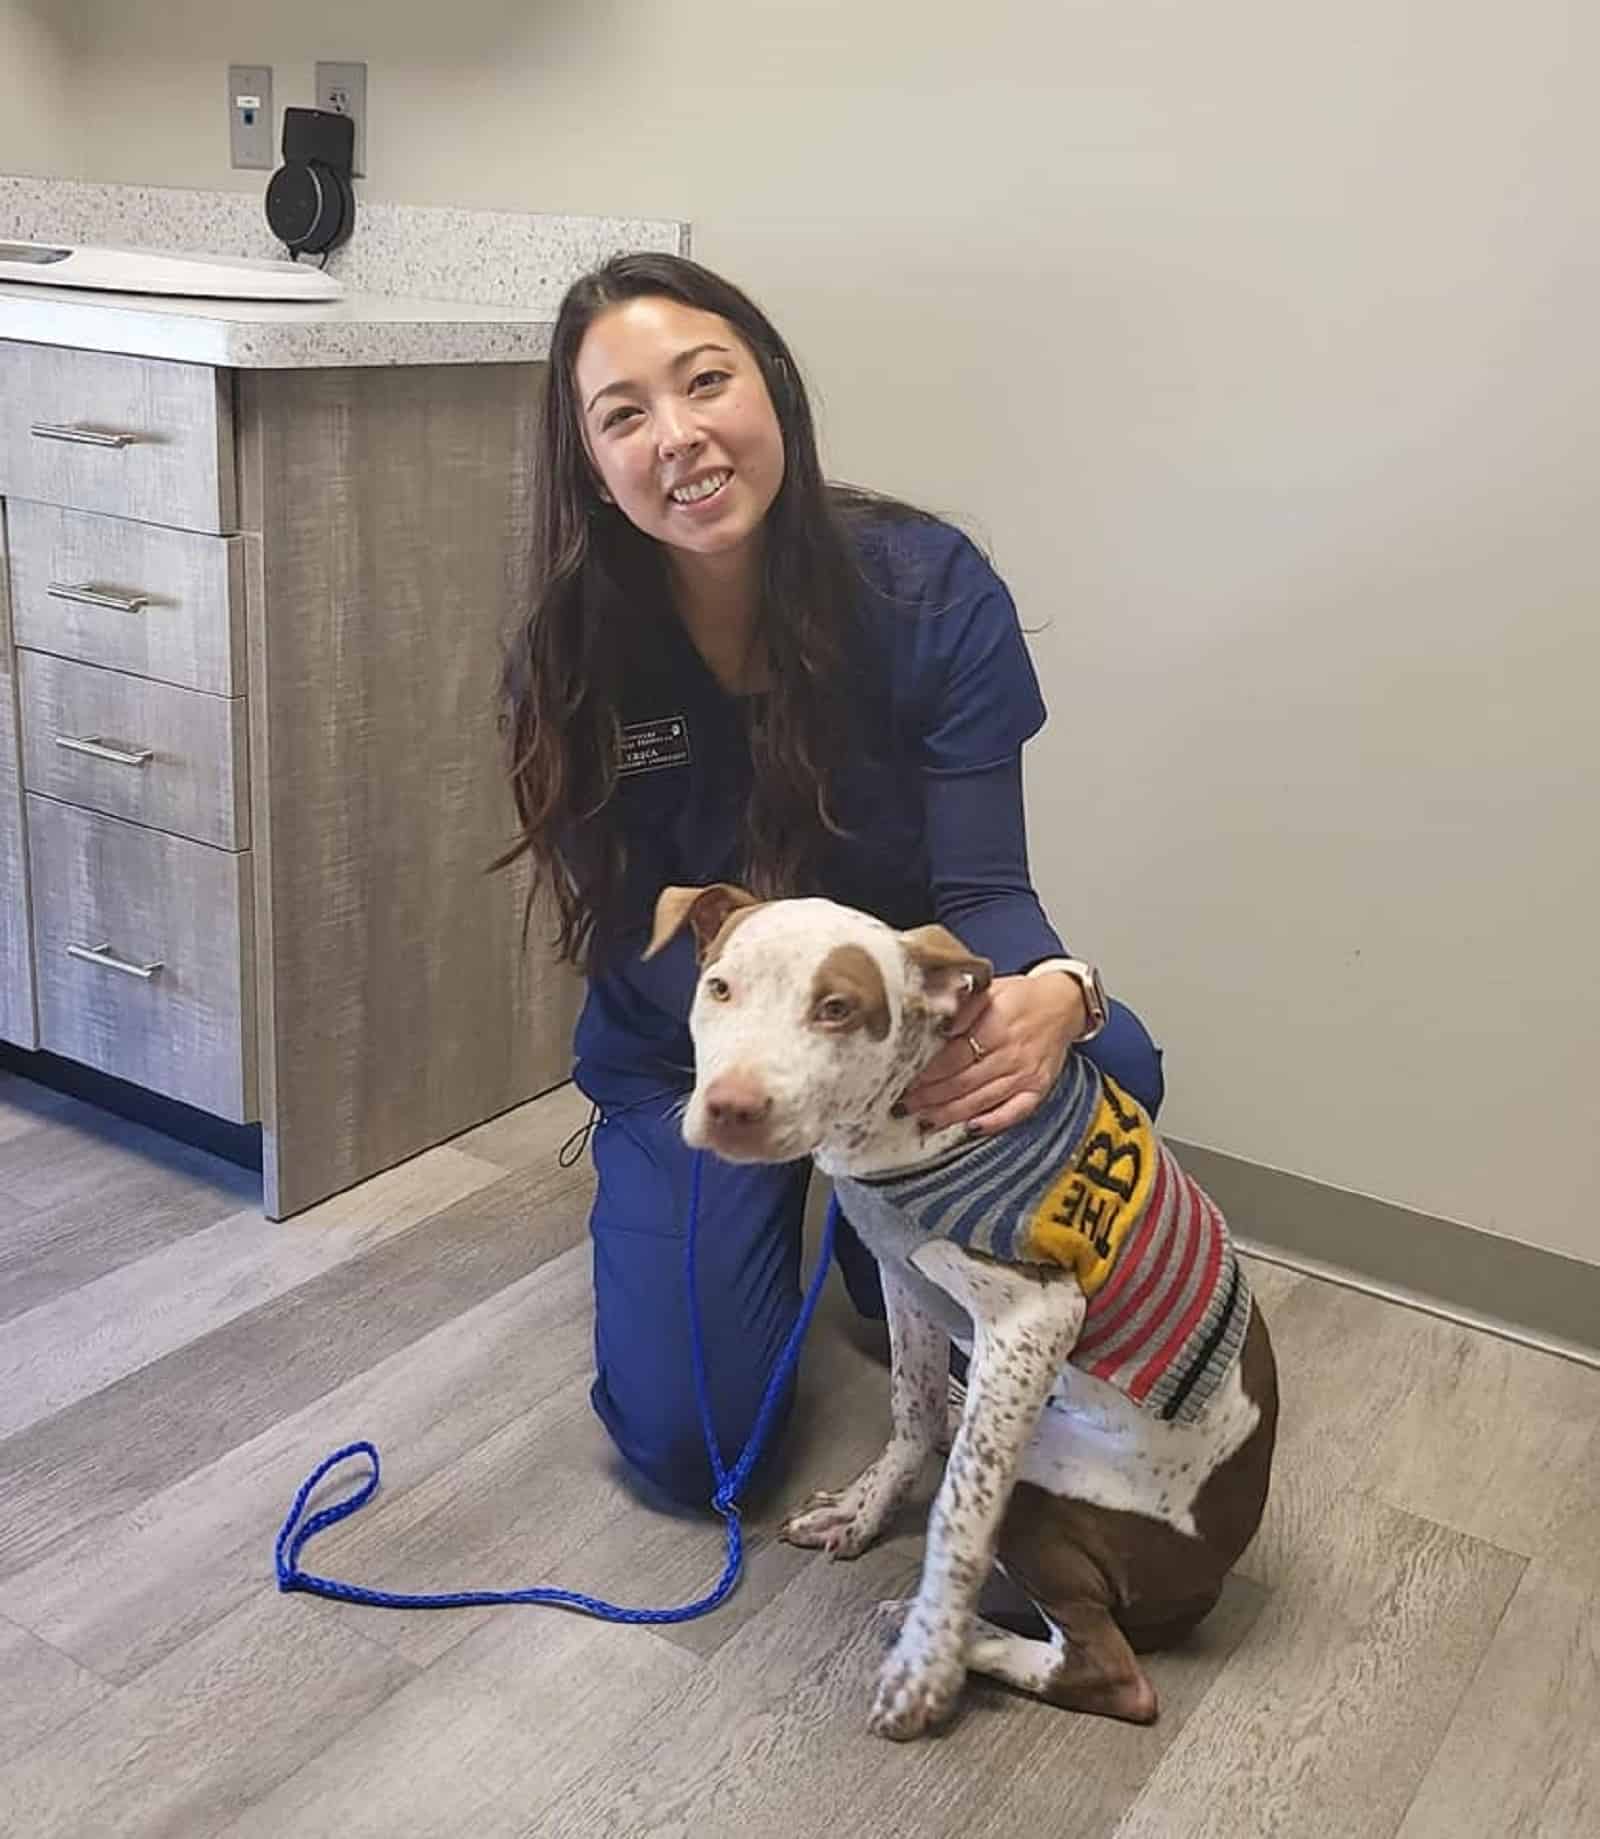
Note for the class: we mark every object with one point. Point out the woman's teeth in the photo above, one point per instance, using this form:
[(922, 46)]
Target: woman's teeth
[(698, 493)]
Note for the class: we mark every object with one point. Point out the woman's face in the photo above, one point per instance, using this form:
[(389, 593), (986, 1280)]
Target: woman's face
[(670, 397)]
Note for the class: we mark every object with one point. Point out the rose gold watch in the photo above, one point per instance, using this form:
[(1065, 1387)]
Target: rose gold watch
[(1087, 978)]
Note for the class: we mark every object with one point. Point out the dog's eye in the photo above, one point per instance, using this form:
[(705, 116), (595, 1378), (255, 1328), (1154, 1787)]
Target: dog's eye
[(835, 1010), (717, 989)]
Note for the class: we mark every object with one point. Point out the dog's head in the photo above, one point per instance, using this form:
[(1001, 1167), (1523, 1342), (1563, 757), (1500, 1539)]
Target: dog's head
[(809, 1019)]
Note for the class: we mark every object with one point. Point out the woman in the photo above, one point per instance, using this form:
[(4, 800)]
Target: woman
[(734, 671)]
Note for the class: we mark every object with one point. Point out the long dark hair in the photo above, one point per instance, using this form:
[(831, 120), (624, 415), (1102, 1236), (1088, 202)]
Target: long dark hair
[(598, 578)]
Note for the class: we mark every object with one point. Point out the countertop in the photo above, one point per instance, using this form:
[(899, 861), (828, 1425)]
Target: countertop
[(425, 284), (360, 329)]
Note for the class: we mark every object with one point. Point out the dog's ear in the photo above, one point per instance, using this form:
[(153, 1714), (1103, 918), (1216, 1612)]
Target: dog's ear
[(950, 973), (707, 910)]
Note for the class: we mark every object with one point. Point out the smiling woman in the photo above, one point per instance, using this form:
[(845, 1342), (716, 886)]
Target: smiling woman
[(733, 670), (686, 443)]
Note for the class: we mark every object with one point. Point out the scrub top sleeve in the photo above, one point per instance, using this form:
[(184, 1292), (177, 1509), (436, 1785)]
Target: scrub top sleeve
[(979, 702), (978, 867), (979, 693), (667, 980)]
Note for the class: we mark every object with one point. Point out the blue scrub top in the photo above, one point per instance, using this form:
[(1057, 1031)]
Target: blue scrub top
[(932, 799)]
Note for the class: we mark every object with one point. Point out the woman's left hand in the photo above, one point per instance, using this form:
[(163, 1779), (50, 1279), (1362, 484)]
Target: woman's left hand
[(1023, 1028)]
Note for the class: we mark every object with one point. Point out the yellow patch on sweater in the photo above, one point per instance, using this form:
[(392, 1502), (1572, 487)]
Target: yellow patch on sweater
[(1099, 1197)]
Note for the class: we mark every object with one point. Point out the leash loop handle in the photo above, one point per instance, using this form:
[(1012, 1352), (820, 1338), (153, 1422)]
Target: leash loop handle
[(297, 1532)]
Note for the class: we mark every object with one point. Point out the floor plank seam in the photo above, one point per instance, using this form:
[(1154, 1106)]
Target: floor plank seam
[(12, 1621), (1466, 1690), (220, 1322), (1376, 1497)]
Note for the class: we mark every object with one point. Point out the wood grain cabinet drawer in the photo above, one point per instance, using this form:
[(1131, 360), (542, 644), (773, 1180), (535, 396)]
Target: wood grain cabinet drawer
[(144, 955), (138, 437), (136, 597), (158, 755)]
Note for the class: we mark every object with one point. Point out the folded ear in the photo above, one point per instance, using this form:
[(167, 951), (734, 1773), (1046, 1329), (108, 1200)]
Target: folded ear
[(707, 910), (950, 973)]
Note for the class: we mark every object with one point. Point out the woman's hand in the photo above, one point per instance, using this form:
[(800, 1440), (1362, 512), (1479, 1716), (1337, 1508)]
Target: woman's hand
[(1025, 1027)]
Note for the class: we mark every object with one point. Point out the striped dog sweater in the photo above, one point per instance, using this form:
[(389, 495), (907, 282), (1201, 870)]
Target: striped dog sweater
[(1085, 1183)]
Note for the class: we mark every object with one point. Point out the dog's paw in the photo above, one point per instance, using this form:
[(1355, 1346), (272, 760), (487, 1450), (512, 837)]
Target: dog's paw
[(918, 1685), (843, 1525)]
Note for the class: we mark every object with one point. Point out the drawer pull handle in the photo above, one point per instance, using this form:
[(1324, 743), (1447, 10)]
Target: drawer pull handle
[(104, 955), (80, 437), (97, 749), (86, 594)]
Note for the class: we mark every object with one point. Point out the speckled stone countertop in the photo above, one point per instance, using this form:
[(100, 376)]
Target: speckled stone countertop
[(424, 285), (361, 329)]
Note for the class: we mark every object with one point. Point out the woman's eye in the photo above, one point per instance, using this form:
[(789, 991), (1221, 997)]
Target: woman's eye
[(717, 990), (614, 417)]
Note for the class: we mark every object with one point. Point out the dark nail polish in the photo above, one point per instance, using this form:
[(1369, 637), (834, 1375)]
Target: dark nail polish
[(897, 1109)]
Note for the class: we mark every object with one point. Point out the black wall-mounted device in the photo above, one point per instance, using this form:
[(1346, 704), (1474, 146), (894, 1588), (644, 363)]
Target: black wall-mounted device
[(311, 204)]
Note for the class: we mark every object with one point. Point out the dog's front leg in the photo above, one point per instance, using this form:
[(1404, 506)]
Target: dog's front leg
[(1025, 1324), (844, 1524)]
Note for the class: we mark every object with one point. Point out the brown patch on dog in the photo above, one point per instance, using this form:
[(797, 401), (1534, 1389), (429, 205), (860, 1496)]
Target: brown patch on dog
[(852, 972), (725, 932), (1156, 1582), (710, 911), (943, 960), (1232, 1499)]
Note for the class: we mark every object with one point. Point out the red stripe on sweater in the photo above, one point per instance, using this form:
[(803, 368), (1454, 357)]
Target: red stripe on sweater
[(1159, 1272), (1183, 1253), (1175, 1258), (1158, 1363), (1101, 1320)]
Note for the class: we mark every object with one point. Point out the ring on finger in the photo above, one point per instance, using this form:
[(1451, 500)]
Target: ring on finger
[(978, 1048)]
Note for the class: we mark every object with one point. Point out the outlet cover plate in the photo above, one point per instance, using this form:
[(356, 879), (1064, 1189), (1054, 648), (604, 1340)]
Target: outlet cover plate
[(250, 139), (342, 90)]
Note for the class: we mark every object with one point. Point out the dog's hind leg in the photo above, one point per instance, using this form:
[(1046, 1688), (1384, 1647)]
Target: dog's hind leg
[(1084, 1664)]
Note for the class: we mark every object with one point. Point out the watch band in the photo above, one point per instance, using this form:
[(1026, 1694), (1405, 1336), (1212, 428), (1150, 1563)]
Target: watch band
[(1087, 978)]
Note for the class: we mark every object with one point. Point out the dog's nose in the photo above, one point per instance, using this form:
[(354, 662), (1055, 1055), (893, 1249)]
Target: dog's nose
[(736, 1100)]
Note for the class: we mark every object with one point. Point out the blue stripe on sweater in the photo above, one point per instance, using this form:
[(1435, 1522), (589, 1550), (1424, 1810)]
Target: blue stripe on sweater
[(982, 1197)]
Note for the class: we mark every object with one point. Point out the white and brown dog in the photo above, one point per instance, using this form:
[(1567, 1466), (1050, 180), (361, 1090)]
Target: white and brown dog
[(1115, 1442)]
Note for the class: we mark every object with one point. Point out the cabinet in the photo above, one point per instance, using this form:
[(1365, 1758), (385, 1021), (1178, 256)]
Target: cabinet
[(251, 624)]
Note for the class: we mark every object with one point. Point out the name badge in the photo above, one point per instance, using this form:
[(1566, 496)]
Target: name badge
[(648, 747)]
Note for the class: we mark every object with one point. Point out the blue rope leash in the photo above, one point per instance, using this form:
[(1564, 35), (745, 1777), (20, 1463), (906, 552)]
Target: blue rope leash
[(296, 1534)]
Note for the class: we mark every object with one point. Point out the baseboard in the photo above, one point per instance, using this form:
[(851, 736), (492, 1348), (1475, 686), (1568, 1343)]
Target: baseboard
[(1541, 1298), (240, 1143)]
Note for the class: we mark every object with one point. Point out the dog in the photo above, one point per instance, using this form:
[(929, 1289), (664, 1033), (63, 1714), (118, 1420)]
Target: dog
[(1113, 1449)]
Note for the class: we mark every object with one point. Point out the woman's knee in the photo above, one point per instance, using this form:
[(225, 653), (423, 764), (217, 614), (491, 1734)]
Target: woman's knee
[(748, 1250), (664, 1440), (1125, 1050)]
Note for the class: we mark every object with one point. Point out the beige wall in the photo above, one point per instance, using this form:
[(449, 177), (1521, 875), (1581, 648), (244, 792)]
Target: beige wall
[(36, 127), (1258, 339)]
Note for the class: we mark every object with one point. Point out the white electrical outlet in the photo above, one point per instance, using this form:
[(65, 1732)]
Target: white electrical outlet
[(342, 90)]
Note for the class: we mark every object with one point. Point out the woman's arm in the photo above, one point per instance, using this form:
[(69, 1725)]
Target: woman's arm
[(978, 866), (1025, 1026)]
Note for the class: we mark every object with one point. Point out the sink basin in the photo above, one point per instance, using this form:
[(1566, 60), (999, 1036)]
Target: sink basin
[(158, 271)]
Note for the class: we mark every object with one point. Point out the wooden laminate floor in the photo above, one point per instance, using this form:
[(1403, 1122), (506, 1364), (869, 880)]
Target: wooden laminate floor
[(1411, 1648)]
